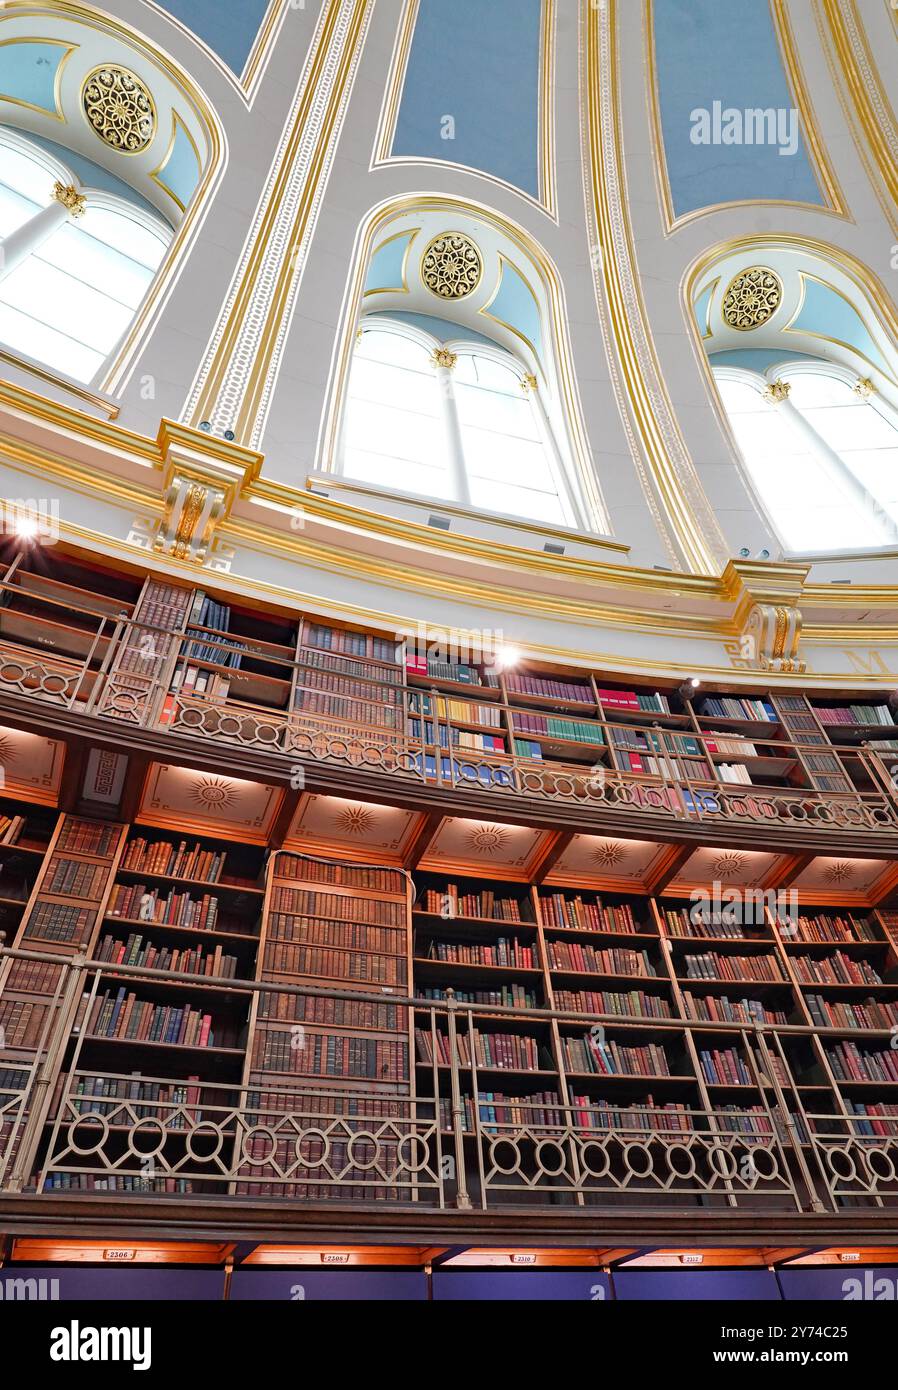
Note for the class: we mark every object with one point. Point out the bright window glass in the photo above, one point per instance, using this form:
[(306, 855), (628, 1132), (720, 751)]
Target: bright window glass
[(855, 428), (809, 506), (394, 434), (71, 301), (395, 431)]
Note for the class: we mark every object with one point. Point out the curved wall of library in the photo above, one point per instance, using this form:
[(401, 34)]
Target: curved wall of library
[(372, 860)]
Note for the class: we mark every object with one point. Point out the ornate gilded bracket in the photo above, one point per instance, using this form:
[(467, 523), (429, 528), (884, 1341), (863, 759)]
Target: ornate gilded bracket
[(202, 476), (767, 616)]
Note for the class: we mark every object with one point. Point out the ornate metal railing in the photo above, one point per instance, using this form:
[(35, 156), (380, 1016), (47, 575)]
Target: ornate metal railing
[(133, 673), (434, 1138)]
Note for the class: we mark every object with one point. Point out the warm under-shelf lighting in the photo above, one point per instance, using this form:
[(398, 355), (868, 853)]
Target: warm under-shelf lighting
[(125, 1252)]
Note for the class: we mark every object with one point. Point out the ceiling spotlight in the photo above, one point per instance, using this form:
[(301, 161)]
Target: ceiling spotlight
[(688, 688), (26, 528)]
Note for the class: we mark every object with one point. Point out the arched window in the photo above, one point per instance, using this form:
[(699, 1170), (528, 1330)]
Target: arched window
[(458, 422), (821, 466), (73, 274)]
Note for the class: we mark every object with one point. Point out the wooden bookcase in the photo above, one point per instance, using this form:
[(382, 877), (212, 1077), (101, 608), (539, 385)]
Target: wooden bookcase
[(347, 927)]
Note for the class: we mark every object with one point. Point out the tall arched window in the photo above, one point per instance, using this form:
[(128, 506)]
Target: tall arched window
[(822, 460), (456, 422), (76, 262)]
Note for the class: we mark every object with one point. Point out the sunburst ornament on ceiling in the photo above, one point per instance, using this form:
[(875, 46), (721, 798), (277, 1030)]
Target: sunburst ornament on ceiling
[(355, 820), (7, 751), (488, 839), (213, 792), (451, 266), (608, 855), (840, 872), (728, 865)]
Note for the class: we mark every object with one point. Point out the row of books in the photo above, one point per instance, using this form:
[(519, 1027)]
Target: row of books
[(713, 966), (571, 955), (528, 748), (348, 666), (724, 1067), (735, 772), (448, 902), (11, 828), (297, 868), (558, 911), (344, 965), (633, 1004), (22, 1022), (856, 714), (446, 737), (555, 727), (510, 996), (505, 951), (308, 902), (732, 707), (359, 936), (78, 836), (648, 702), (325, 1054), (685, 922), (458, 671), (836, 1013), (335, 683), (670, 1117), (90, 1093), (341, 1013), (499, 1051), (140, 903), (355, 712), (342, 642), (613, 1058), (116, 1182), (883, 1117), (851, 1063), (835, 969), (34, 976), (181, 860), (826, 928), (74, 878), (60, 922), (137, 951), (709, 1008), (119, 1014), (463, 711), (523, 683), (536, 1110)]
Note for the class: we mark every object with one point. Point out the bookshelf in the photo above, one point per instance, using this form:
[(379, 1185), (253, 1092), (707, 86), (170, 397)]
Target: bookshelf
[(347, 926)]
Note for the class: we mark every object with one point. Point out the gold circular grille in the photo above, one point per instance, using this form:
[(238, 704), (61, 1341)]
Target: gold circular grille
[(119, 109), (451, 266), (752, 297)]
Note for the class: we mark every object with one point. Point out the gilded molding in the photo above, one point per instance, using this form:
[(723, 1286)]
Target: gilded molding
[(233, 387), (247, 83), (70, 198), (694, 524), (870, 117)]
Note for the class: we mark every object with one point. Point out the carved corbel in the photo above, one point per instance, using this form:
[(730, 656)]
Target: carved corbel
[(202, 476), (767, 613)]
